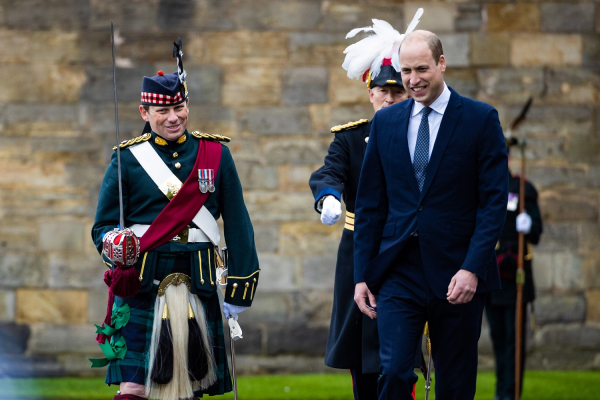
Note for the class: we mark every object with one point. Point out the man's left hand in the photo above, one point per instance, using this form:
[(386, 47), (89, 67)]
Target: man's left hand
[(462, 287), (231, 310)]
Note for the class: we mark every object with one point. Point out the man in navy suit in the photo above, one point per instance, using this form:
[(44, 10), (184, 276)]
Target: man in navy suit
[(430, 208)]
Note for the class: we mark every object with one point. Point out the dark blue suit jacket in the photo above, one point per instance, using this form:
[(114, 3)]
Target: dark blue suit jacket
[(461, 210)]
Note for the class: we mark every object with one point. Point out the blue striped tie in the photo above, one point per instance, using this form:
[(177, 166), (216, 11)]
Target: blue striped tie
[(421, 156)]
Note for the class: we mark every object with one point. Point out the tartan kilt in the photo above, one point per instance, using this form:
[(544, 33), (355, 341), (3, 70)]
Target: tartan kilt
[(138, 331)]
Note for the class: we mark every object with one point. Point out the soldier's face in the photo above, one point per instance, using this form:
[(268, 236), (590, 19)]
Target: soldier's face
[(169, 122), (384, 96)]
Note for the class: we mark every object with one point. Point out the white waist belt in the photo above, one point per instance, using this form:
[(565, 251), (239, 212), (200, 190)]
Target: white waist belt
[(194, 235)]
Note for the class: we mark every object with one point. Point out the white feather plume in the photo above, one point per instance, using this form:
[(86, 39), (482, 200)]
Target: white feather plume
[(370, 52), (355, 31), (414, 22)]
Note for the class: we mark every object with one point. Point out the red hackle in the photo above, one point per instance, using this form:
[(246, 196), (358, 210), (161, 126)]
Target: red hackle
[(366, 75)]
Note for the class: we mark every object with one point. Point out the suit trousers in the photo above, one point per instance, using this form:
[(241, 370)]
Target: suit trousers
[(404, 304)]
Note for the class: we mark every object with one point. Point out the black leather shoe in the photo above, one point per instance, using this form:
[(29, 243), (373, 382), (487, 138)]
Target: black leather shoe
[(128, 397)]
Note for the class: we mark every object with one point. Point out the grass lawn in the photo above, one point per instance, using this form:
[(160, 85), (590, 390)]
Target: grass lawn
[(547, 385)]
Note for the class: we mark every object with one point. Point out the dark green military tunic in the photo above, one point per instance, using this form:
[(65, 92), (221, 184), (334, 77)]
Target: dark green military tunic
[(142, 202)]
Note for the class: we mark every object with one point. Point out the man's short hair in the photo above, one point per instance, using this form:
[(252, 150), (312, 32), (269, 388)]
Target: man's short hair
[(432, 40), (435, 45)]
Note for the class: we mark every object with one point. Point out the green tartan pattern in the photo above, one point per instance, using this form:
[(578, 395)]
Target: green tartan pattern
[(138, 331)]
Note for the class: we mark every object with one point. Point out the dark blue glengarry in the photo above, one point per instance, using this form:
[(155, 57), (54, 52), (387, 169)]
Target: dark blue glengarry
[(163, 89)]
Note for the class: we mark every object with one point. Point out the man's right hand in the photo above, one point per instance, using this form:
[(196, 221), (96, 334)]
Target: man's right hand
[(332, 210), (361, 294)]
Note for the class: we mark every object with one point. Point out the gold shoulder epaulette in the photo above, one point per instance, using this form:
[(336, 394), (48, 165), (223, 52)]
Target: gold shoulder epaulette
[(208, 136), (349, 125), (136, 140)]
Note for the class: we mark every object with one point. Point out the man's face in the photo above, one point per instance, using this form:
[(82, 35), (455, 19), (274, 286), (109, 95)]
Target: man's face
[(169, 122), (422, 77), (383, 96)]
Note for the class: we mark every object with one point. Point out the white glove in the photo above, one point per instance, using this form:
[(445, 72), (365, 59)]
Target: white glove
[(230, 310), (332, 210), (524, 223)]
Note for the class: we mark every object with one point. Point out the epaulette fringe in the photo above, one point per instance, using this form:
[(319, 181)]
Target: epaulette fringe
[(135, 140), (349, 125), (208, 136)]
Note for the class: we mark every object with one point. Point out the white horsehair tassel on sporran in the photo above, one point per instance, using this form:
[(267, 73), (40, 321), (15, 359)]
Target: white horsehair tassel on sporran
[(169, 361)]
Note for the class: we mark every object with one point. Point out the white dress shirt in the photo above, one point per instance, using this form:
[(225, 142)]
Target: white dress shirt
[(435, 119)]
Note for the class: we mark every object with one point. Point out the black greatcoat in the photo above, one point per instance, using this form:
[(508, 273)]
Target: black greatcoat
[(353, 342), (501, 304), (508, 247)]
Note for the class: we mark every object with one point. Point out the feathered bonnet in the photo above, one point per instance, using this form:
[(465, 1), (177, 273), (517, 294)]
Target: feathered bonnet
[(376, 57)]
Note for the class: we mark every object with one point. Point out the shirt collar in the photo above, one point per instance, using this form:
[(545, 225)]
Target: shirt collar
[(439, 105)]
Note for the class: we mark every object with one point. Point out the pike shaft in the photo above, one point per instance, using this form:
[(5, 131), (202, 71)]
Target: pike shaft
[(520, 281), (112, 42)]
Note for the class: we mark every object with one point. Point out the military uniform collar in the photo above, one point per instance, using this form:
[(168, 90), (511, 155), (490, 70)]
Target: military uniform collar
[(160, 142)]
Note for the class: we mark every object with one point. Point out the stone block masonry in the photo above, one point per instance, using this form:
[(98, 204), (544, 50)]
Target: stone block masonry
[(268, 73)]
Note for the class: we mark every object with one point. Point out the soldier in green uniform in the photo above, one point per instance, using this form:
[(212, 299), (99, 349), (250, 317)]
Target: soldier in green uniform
[(501, 304), (154, 167)]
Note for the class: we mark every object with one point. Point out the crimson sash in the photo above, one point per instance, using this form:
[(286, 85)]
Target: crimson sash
[(185, 205)]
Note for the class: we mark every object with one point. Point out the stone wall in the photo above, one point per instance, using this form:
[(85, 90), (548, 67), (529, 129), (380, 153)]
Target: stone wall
[(267, 73)]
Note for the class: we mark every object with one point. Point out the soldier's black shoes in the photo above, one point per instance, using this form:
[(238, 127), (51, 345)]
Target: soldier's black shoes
[(128, 397)]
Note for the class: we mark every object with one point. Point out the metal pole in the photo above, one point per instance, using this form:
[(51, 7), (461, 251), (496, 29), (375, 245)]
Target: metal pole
[(112, 42), (232, 348), (235, 333)]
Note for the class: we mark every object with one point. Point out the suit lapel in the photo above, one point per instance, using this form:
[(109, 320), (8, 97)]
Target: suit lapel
[(449, 120), (402, 140)]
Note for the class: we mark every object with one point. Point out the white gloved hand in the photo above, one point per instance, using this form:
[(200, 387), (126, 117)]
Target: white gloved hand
[(524, 223), (231, 310), (332, 210)]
